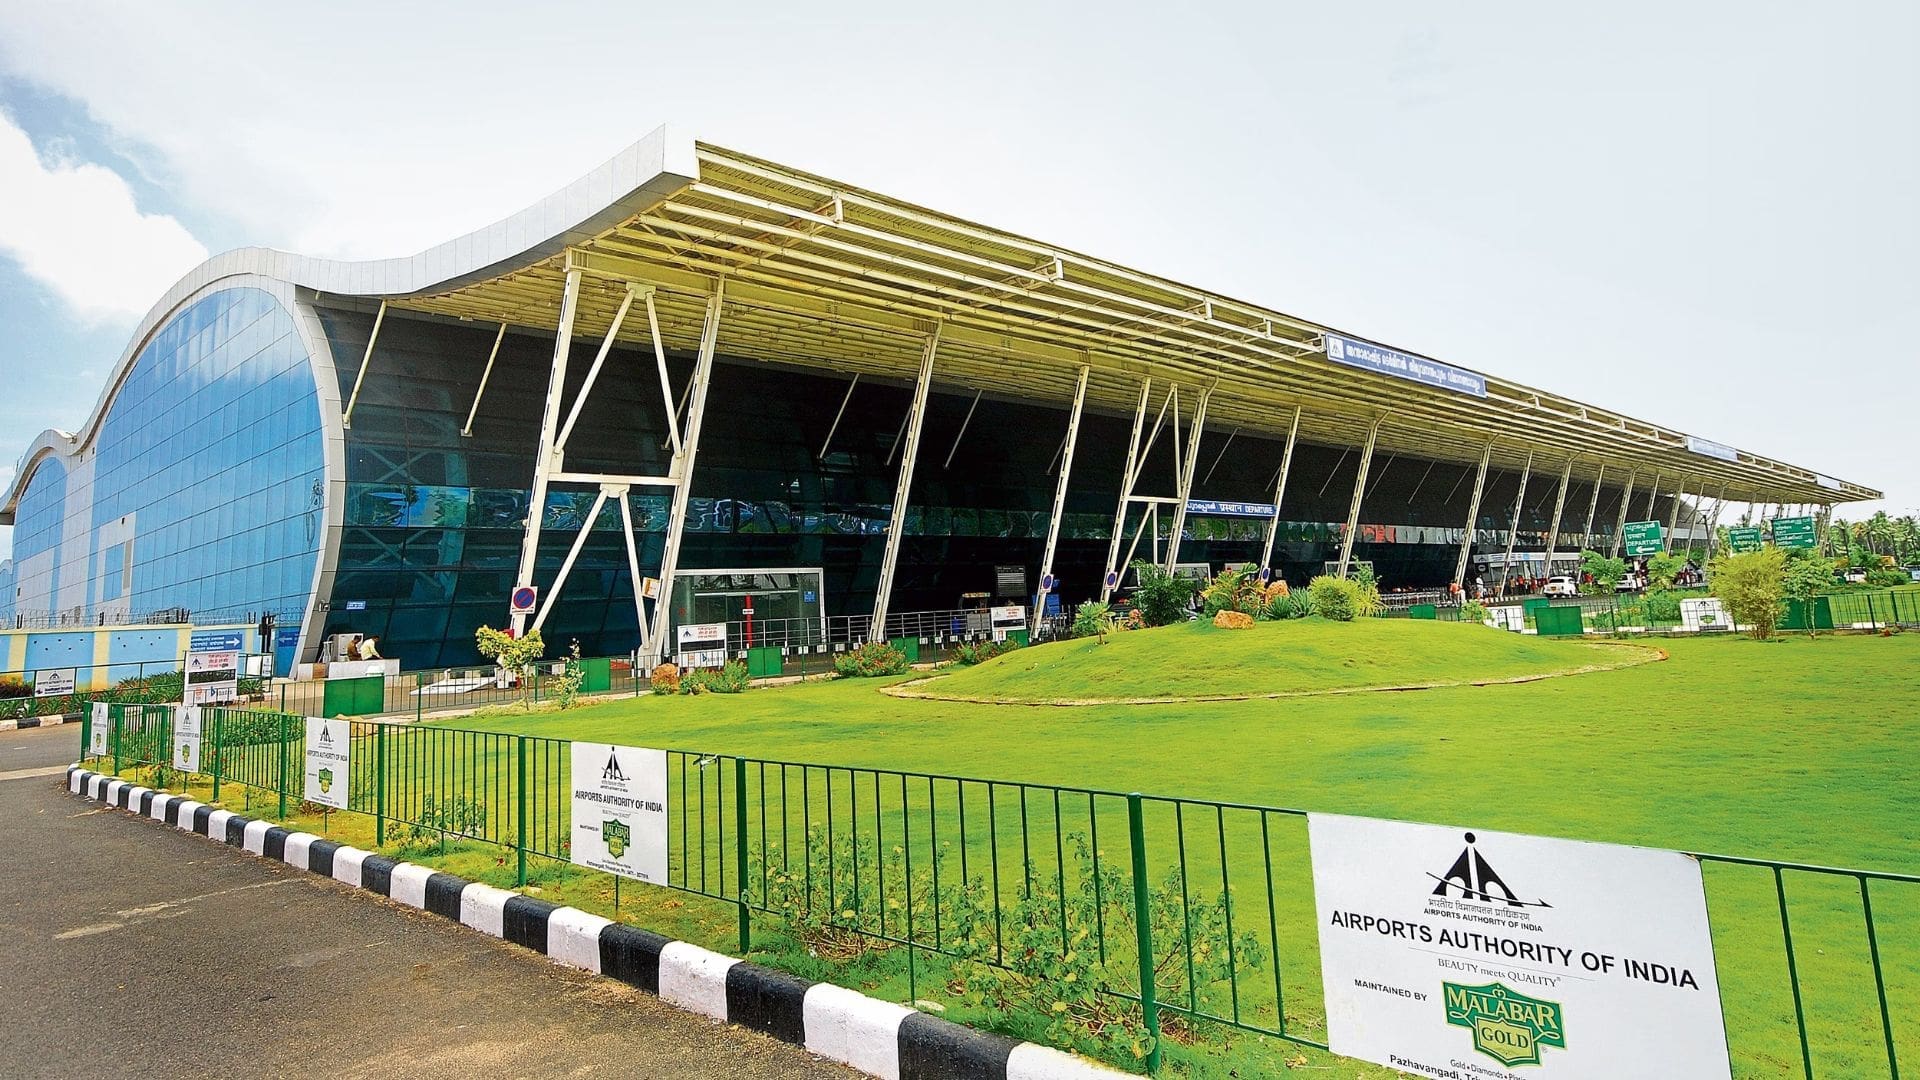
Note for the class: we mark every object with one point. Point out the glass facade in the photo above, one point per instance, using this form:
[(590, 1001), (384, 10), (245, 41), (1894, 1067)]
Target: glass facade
[(203, 490), (433, 519)]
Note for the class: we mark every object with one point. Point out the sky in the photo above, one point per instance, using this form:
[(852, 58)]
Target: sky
[(1701, 214)]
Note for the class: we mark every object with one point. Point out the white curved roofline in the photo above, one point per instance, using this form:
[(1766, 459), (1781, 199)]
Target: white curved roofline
[(658, 165)]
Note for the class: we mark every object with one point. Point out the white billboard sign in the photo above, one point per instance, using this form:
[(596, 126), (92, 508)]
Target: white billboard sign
[(186, 738), (1476, 954), (620, 810), (99, 730), (703, 645), (329, 762), (213, 677), (54, 682)]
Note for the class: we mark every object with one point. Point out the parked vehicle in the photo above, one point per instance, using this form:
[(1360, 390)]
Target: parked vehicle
[(1631, 583), (1561, 586)]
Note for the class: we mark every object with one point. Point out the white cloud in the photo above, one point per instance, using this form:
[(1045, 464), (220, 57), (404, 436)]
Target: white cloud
[(75, 228)]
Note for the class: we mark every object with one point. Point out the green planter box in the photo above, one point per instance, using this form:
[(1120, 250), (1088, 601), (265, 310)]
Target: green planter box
[(909, 646), (1532, 608), (363, 696), (764, 662), (1018, 637), (1423, 611), (1558, 621), (1797, 614), (596, 674)]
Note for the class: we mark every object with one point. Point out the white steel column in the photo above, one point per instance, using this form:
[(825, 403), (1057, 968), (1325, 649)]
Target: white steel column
[(916, 417), (1126, 485), (1359, 490), (1513, 528), (346, 416), (1559, 507), (543, 463), (466, 430), (593, 371), (1620, 526), (619, 491), (682, 471), (962, 433), (1652, 491), (1184, 473), (1713, 526), (835, 426), (1673, 513), (573, 553), (1280, 490), (1473, 518), (1059, 496), (1593, 507)]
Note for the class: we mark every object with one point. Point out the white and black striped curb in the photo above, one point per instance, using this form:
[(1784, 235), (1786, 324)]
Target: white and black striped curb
[(26, 722), (877, 1037)]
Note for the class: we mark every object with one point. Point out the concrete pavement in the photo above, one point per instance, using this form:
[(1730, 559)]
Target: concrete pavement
[(134, 947)]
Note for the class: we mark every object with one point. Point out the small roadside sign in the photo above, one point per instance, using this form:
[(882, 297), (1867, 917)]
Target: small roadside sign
[(524, 599), (1744, 538), (1794, 532), (1046, 583), (1643, 538), (1112, 578), (53, 682), (650, 588)]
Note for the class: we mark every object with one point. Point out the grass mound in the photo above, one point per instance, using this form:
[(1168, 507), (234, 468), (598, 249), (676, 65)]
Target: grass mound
[(1198, 661)]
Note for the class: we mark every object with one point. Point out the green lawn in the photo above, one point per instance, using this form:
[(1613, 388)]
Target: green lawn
[(1199, 660), (1796, 750)]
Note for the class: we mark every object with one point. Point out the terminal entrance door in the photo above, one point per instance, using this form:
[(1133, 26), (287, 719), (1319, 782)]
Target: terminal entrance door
[(787, 609)]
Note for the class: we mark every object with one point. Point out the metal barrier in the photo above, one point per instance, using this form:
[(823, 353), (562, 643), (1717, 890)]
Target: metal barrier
[(73, 688), (1181, 912)]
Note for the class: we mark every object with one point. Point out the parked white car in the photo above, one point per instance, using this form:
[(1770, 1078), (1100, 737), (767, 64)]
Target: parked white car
[(1631, 583), (1561, 586)]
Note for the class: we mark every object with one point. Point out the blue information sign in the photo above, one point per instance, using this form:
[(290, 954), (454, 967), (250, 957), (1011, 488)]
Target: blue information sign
[(1381, 360), (216, 641)]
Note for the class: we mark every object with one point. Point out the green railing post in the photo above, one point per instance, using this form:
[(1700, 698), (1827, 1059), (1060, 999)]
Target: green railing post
[(740, 847), (520, 811), (1143, 929), (419, 684), (219, 723), (380, 786), (114, 711), (283, 697), (280, 780)]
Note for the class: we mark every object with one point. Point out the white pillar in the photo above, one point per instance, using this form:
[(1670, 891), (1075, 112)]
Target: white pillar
[(1184, 473), (683, 470), (1620, 526), (1673, 513), (485, 373), (1559, 507), (1473, 517), (1593, 507), (1126, 486), (916, 415), (1280, 490), (346, 417), (1059, 496), (543, 461), (1513, 528), (1359, 490)]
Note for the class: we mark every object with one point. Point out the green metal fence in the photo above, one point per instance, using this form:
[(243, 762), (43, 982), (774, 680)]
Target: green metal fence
[(1188, 912)]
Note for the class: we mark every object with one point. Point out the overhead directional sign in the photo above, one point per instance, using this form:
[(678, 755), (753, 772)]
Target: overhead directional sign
[(1216, 508), (1643, 538), (1712, 449), (1381, 360), (1795, 532), (1745, 538)]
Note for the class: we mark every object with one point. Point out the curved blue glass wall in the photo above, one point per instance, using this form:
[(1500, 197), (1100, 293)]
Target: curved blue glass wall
[(36, 540), (210, 465)]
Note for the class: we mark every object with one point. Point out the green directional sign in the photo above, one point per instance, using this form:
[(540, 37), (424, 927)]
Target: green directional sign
[(1794, 532), (1745, 538), (1643, 538)]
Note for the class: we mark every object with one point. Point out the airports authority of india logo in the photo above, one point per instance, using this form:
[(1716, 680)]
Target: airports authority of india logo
[(1507, 1026), (617, 835)]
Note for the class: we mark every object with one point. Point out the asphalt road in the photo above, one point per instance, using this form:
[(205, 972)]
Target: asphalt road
[(130, 947)]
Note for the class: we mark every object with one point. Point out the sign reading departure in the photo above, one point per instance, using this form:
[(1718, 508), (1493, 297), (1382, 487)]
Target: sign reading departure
[(1216, 508), (1745, 538), (620, 810), (186, 738), (329, 762), (1494, 955), (1712, 449), (1400, 365), (1643, 538), (1795, 532)]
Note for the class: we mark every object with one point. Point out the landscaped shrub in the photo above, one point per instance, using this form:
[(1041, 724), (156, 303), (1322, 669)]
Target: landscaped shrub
[(871, 659), (1335, 598), (665, 679), (968, 653), (1370, 603), (1290, 605), (1093, 619), (728, 678), (1160, 597), (1473, 611), (1233, 620), (1241, 591), (1750, 585), (1886, 577)]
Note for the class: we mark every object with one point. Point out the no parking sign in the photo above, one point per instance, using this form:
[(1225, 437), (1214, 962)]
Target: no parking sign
[(524, 599)]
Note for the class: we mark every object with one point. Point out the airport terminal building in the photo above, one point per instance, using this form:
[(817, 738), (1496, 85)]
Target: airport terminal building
[(694, 377)]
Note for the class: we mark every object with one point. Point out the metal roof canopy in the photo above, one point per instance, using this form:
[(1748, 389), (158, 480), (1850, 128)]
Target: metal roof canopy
[(824, 275)]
